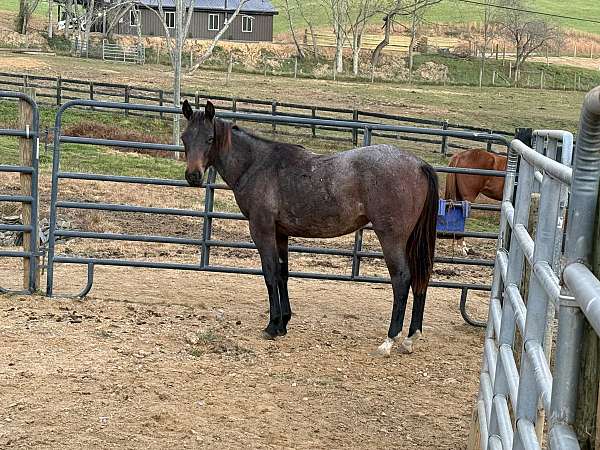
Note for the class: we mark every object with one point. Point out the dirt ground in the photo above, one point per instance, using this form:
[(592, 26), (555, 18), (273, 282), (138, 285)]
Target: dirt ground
[(158, 359)]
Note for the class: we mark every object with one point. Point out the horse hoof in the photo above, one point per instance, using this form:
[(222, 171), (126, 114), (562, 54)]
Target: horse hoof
[(281, 332), (268, 336), (407, 346), (385, 349)]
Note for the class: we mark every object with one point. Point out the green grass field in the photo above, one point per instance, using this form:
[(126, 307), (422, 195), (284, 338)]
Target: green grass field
[(454, 11)]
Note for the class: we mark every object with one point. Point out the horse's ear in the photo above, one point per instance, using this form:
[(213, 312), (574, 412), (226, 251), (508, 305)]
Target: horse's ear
[(209, 111), (187, 110)]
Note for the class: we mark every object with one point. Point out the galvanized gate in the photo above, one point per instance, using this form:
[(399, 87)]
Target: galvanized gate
[(206, 240), (518, 384), (26, 229)]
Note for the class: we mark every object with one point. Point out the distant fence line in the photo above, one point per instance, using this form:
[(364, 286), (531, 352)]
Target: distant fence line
[(59, 90)]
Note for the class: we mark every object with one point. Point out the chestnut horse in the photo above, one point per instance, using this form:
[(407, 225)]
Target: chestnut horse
[(284, 190), (467, 187)]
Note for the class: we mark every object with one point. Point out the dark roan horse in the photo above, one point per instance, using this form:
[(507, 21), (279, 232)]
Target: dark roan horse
[(284, 190)]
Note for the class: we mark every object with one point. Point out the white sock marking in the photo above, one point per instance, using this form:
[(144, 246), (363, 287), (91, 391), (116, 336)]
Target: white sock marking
[(386, 348), (408, 342)]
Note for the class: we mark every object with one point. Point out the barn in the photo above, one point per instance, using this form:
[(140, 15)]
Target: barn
[(253, 24)]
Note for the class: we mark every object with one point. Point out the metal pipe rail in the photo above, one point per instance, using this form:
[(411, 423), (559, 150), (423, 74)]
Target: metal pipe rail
[(211, 186), (517, 392), (508, 419), (31, 132)]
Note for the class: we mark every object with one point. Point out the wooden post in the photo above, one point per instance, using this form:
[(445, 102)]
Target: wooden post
[(510, 70), (372, 73), (575, 50), (197, 100), (494, 78), (25, 122), (296, 67), (473, 442), (161, 101), (313, 114), (233, 107), (354, 130), (274, 113), (542, 79), (59, 91), (444, 148), (126, 97)]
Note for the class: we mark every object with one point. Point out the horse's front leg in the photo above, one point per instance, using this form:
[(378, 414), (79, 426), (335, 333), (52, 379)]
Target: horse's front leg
[(284, 299), (263, 235)]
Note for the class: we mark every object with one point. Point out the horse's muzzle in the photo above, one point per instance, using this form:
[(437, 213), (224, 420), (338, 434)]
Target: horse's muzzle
[(194, 179)]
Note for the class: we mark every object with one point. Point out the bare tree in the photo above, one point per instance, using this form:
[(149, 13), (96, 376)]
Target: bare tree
[(415, 21), (26, 9), (228, 21), (50, 28), (528, 32), (184, 10), (288, 13), (487, 34), (338, 17), (115, 13), (68, 17), (307, 9), (90, 18), (358, 14), (391, 9)]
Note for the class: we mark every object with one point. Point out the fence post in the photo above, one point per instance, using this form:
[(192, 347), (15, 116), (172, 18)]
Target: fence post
[(59, 91), (354, 130), (296, 67), (444, 148), (542, 79), (31, 273), (161, 101), (233, 108), (313, 114), (494, 78), (197, 100), (127, 92), (274, 113), (489, 143)]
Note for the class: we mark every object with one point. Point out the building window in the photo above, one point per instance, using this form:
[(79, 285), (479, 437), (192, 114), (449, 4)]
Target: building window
[(247, 24), (170, 19), (213, 22), (132, 18)]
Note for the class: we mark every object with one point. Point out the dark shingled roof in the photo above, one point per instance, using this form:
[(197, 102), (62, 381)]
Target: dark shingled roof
[(256, 6)]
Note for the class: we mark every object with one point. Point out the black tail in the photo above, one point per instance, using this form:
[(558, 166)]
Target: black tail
[(420, 247)]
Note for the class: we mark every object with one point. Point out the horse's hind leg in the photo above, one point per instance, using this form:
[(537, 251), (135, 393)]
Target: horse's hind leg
[(282, 283), (416, 322), (394, 252)]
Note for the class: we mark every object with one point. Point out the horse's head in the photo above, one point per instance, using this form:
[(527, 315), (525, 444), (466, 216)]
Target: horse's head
[(198, 141)]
